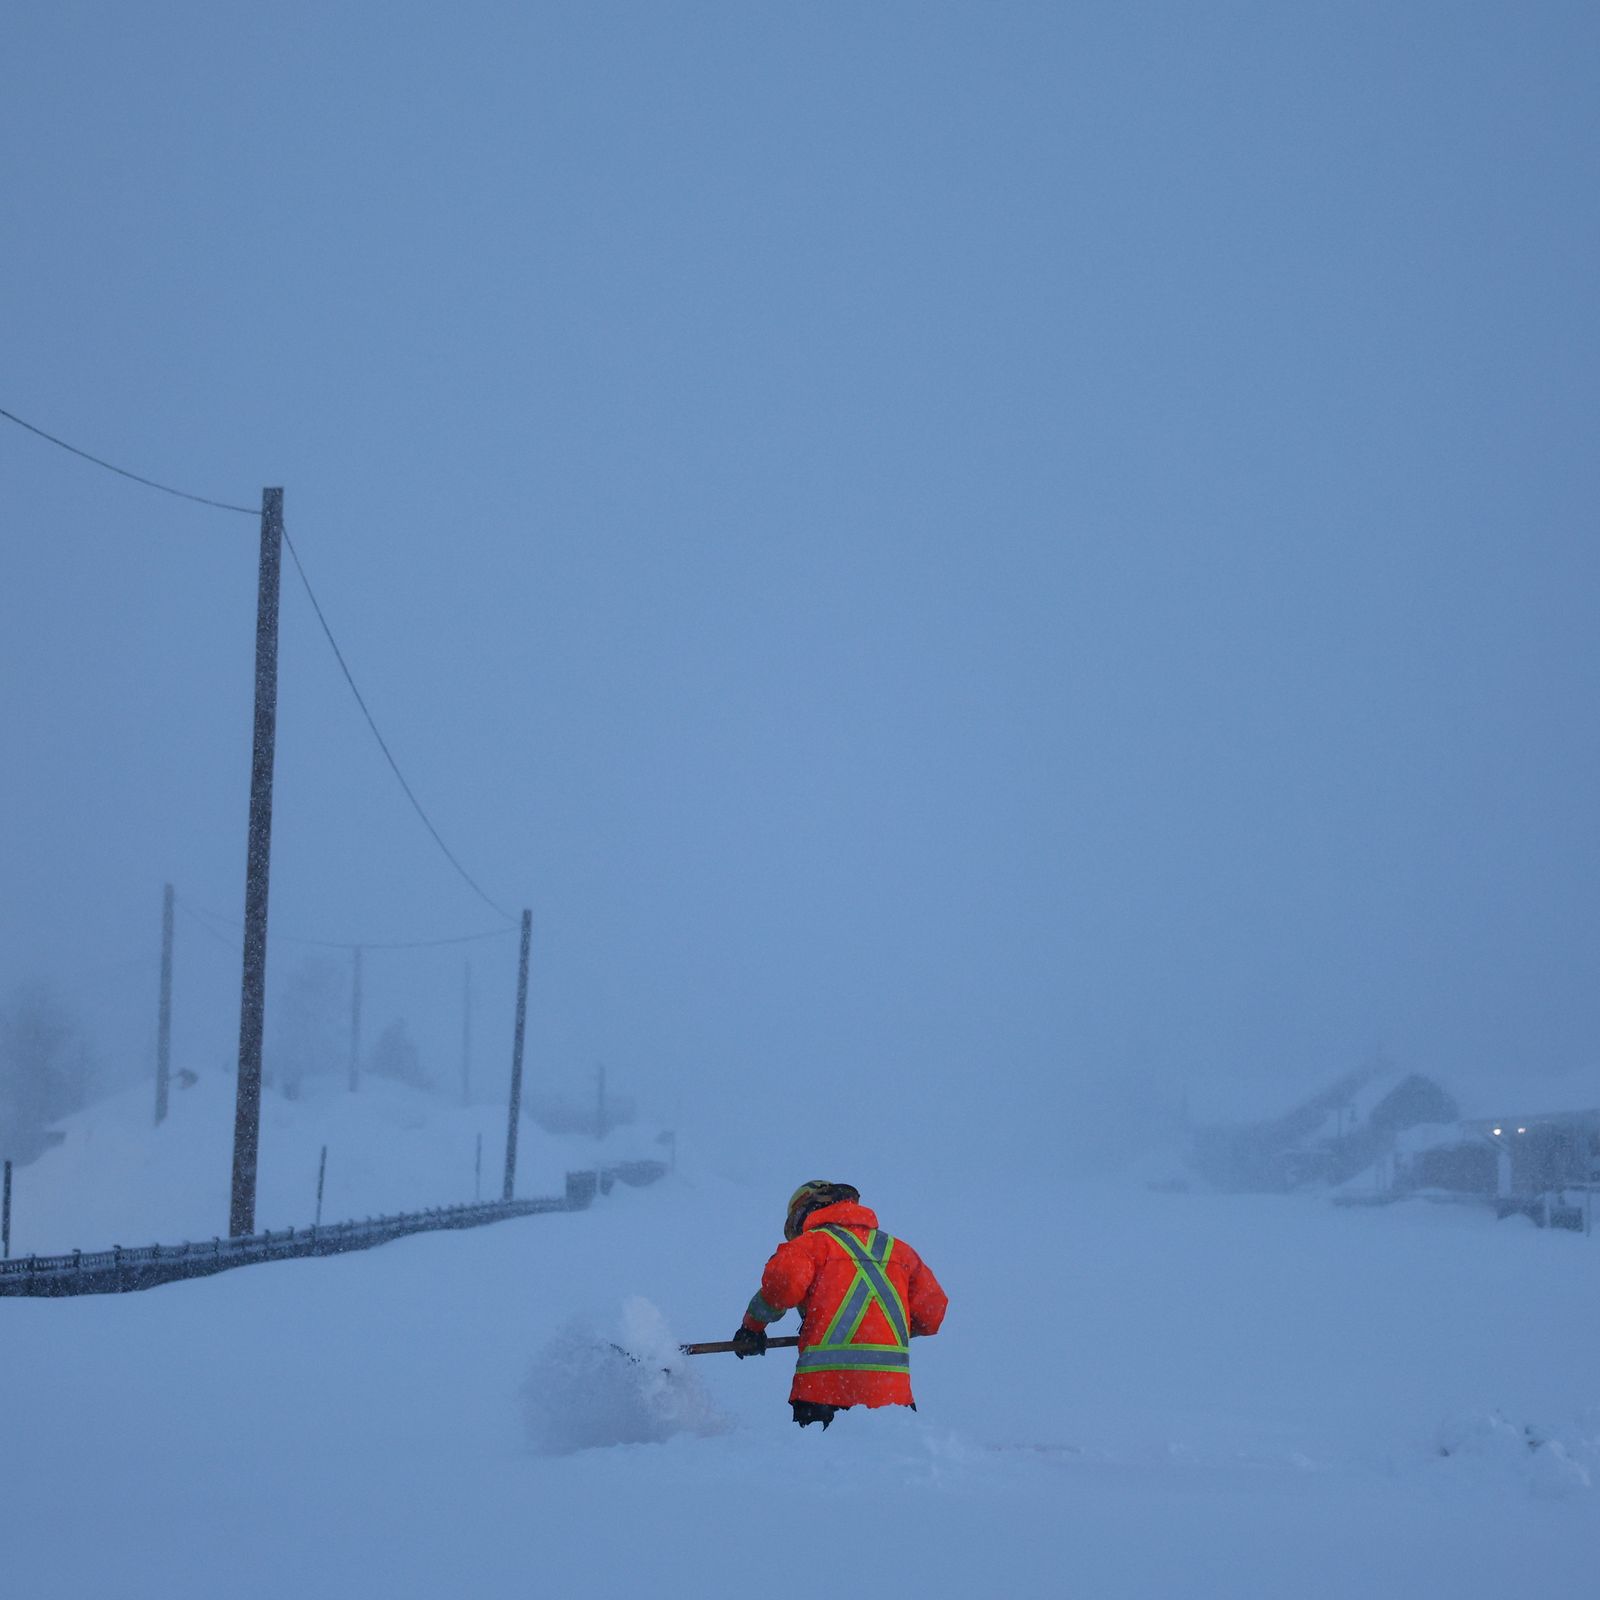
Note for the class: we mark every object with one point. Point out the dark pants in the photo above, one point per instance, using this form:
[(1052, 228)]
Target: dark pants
[(808, 1411)]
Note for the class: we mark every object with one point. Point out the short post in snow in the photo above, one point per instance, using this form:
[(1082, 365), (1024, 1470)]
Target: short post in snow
[(5, 1216), (515, 1111), (322, 1173), (164, 1014)]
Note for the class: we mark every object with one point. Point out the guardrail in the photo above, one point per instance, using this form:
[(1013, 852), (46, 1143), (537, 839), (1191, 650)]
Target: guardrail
[(117, 1271)]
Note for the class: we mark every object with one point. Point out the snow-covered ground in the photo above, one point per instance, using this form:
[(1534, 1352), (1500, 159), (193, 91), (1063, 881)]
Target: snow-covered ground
[(1136, 1394), (117, 1180)]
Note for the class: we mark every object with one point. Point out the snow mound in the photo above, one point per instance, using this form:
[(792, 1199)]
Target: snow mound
[(1552, 1463), (594, 1385)]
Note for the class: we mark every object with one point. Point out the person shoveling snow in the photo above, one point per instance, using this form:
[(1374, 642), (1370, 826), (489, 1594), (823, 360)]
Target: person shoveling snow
[(863, 1296)]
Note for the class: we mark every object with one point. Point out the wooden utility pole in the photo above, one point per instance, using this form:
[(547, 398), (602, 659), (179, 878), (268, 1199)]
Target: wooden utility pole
[(355, 1021), (600, 1100), (5, 1216), (516, 1060), (322, 1173), (466, 1036), (164, 1016), (258, 870)]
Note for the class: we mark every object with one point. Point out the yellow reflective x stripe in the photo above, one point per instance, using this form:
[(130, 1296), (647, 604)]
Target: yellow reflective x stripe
[(846, 1320), (871, 1284), (879, 1247), (870, 1260), (846, 1323)]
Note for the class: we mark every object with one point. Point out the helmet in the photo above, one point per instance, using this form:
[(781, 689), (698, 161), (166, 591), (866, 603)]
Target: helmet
[(814, 1196)]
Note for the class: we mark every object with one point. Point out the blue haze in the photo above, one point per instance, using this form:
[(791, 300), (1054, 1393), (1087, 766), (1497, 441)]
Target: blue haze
[(981, 568)]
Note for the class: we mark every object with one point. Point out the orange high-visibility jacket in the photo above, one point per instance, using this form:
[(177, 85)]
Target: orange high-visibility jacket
[(862, 1294)]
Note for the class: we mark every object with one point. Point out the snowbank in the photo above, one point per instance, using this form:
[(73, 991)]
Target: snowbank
[(1135, 1397), (116, 1179)]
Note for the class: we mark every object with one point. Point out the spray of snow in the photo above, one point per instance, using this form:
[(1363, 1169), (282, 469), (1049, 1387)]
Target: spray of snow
[(614, 1381)]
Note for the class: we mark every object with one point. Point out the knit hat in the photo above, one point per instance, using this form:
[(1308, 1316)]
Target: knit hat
[(811, 1197)]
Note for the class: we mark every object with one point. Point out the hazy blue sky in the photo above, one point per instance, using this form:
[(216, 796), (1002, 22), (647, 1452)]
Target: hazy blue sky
[(961, 558)]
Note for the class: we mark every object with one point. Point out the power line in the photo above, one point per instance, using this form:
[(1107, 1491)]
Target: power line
[(149, 483), (233, 947), (211, 920), (338, 655), (394, 766)]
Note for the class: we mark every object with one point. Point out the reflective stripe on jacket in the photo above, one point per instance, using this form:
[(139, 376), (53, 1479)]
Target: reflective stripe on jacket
[(862, 1294)]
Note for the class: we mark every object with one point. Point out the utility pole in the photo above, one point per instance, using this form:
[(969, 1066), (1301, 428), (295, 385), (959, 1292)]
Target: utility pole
[(322, 1173), (5, 1216), (466, 1036), (258, 869), (600, 1100), (164, 1016), (516, 1059), (355, 1021)]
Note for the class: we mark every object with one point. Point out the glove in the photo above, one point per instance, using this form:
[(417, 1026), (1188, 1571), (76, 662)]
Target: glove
[(749, 1342)]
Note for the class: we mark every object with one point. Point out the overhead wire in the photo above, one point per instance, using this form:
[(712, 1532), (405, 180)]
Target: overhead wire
[(149, 483), (338, 655), (383, 744), (222, 941)]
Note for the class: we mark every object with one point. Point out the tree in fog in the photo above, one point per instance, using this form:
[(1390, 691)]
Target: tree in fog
[(45, 1066), (309, 1025), (394, 1055)]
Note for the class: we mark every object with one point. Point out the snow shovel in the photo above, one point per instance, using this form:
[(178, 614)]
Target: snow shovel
[(722, 1347)]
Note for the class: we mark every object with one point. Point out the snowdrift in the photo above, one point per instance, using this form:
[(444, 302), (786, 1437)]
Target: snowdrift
[(1135, 1395), (116, 1179)]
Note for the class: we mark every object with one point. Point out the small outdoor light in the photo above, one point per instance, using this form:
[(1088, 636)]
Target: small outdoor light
[(1497, 1132), (1522, 1130)]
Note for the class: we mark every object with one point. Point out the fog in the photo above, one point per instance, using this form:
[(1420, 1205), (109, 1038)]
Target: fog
[(986, 573)]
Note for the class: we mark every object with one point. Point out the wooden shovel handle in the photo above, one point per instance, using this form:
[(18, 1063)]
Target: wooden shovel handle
[(723, 1347)]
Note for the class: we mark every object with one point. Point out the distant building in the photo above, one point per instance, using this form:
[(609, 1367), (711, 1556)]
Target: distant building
[(1327, 1139), (1542, 1164)]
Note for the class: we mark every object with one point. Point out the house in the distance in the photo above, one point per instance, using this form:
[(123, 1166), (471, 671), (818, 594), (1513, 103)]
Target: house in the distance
[(1545, 1164), (1343, 1130)]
